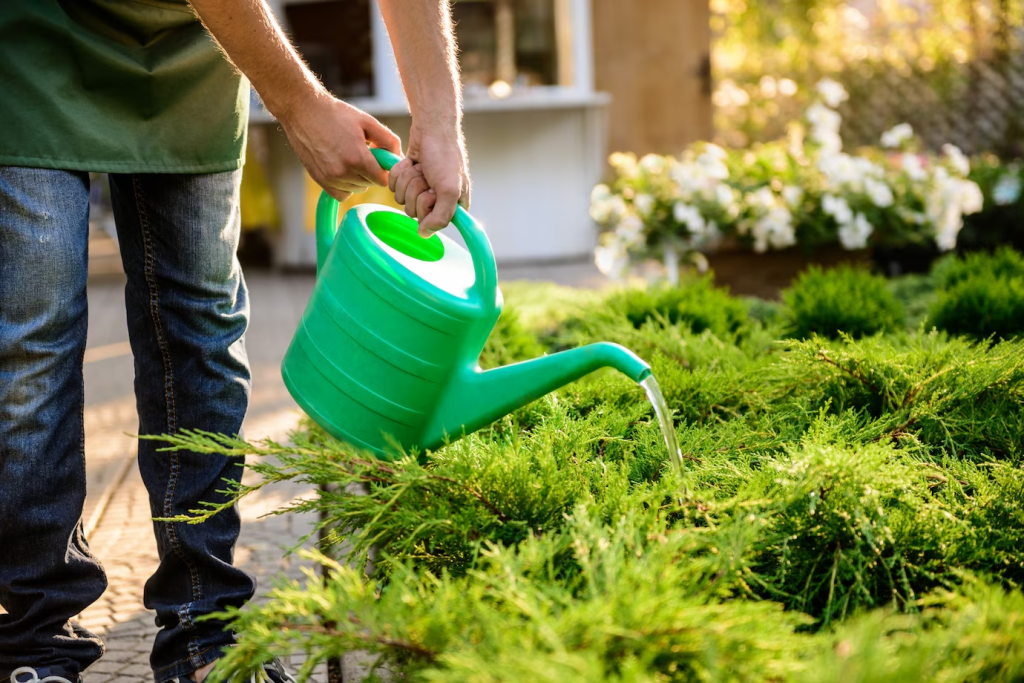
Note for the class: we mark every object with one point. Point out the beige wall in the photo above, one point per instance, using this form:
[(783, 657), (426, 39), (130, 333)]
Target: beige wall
[(649, 54)]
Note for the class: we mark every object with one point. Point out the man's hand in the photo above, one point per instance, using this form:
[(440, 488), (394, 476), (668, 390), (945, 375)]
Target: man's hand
[(328, 135), (432, 179), (435, 176), (330, 139)]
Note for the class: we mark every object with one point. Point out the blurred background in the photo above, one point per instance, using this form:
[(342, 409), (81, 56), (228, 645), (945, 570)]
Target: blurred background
[(553, 86)]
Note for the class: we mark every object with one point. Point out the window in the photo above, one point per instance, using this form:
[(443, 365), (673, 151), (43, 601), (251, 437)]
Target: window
[(514, 41), (334, 38)]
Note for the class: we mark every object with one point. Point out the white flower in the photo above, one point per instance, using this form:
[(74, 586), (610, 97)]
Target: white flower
[(897, 135), (774, 229), (838, 208), (1007, 189), (625, 164), (971, 198), (644, 204), (946, 233), (832, 92), (961, 164), (712, 166), (913, 167), (838, 168), (715, 151), (611, 257), (652, 164), (606, 208), (689, 216), (600, 193), (828, 140), (793, 195), (945, 204), (823, 119), (630, 229), (724, 195), (879, 192), (762, 198), (854, 234), (687, 178)]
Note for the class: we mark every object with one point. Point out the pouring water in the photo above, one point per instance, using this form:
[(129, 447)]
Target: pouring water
[(650, 385)]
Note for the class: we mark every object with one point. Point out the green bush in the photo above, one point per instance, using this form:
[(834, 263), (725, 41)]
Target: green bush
[(981, 295), (696, 304), (845, 506), (1000, 264), (981, 307), (837, 301)]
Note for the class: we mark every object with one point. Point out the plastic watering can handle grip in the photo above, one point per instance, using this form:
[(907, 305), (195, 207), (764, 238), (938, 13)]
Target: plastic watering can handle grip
[(485, 270)]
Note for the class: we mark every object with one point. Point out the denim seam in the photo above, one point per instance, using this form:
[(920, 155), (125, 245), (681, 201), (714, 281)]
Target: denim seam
[(172, 421), (190, 660)]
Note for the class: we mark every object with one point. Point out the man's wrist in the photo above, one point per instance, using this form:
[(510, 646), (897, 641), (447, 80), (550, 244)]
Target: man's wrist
[(284, 103)]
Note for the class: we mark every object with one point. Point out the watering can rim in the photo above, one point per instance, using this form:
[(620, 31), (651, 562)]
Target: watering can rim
[(483, 294)]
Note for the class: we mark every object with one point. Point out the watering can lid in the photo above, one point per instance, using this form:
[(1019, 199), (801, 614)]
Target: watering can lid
[(438, 260)]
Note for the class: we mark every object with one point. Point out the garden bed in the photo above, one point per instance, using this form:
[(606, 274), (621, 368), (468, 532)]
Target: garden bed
[(852, 504)]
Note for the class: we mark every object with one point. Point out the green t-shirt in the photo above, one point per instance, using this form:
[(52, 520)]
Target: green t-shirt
[(128, 86)]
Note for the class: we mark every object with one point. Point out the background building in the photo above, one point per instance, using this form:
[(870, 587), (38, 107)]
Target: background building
[(550, 87)]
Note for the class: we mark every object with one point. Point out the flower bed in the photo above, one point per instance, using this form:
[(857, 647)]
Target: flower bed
[(849, 507), (802, 191)]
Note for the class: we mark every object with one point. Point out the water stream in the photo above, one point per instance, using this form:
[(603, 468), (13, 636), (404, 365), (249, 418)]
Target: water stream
[(650, 385)]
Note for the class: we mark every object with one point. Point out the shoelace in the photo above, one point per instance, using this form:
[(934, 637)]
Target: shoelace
[(35, 676)]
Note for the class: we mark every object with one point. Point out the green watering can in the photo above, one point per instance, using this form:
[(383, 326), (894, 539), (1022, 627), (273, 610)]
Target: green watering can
[(386, 353)]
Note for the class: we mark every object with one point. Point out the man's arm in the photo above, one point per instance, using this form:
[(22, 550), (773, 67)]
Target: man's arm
[(434, 176), (330, 136)]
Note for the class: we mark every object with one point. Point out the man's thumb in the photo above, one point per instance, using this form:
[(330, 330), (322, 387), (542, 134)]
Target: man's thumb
[(381, 136)]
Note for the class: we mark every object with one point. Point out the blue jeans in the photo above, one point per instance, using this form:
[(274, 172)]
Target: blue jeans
[(187, 310)]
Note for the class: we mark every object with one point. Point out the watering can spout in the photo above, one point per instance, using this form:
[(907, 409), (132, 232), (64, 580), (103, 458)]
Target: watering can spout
[(476, 398)]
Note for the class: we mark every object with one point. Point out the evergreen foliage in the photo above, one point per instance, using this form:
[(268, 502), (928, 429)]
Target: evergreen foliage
[(1000, 264), (698, 306), (841, 300), (981, 296), (851, 509)]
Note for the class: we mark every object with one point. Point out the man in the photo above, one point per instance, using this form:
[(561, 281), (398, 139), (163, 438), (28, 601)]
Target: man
[(138, 89)]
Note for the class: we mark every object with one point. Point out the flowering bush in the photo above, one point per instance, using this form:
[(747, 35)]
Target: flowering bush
[(801, 190)]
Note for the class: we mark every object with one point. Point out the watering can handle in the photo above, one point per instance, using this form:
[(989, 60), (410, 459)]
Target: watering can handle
[(485, 270)]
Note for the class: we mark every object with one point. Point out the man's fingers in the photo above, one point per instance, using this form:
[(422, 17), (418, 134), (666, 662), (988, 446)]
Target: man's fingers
[(396, 171), (370, 170), (444, 208), (403, 182), (381, 136), (417, 188), (346, 186), (424, 205), (338, 194)]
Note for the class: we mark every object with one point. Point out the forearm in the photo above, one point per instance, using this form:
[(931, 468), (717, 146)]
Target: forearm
[(249, 34), (421, 34)]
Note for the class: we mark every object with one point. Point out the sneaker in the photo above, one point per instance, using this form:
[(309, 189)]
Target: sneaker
[(46, 674), (272, 672)]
